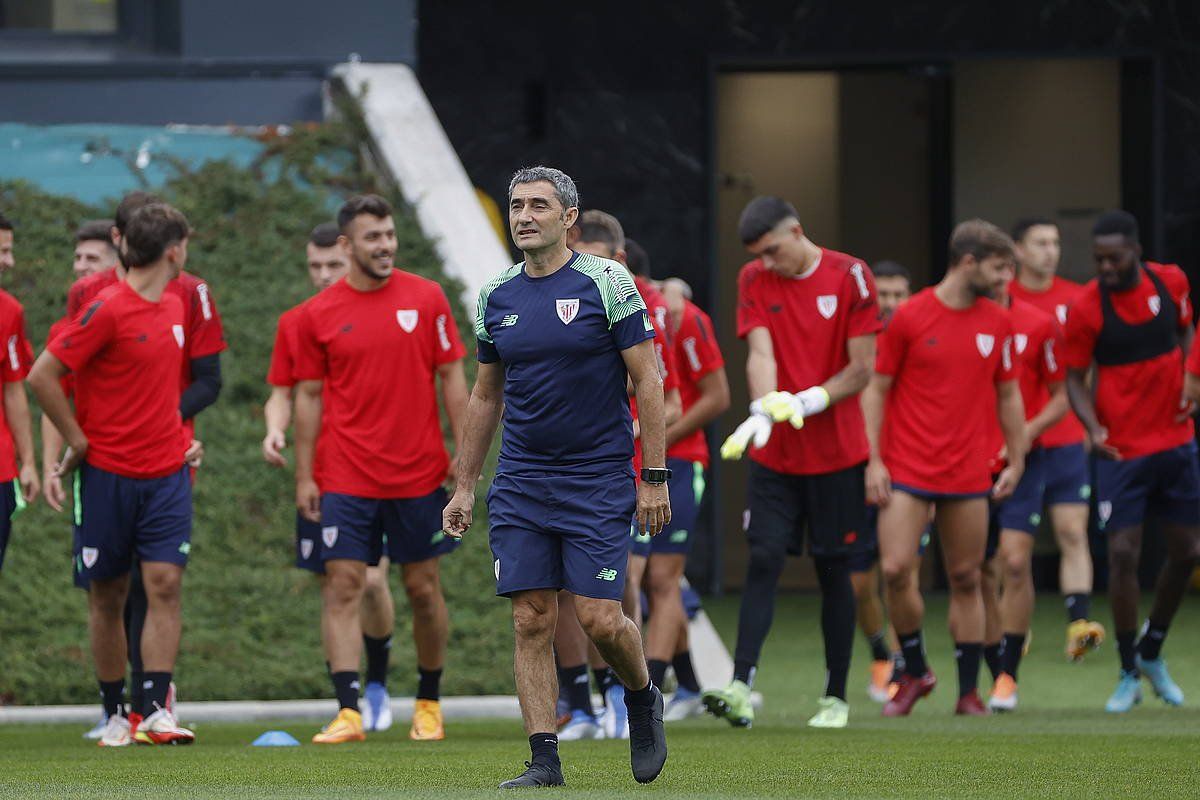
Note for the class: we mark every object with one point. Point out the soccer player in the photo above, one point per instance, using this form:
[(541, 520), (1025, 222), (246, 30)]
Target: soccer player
[(128, 442), (1133, 322), (947, 349), (810, 317), (18, 470), (94, 248), (558, 335), (1068, 483), (1037, 347), (370, 353), (327, 264)]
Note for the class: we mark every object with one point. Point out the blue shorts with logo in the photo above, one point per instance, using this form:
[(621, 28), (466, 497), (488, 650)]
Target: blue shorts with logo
[(551, 530), (1067, 478), (407, 529), (1023, 510), (11, 501), (117, 517), (862, 560), (1164, 484), (687, 489)]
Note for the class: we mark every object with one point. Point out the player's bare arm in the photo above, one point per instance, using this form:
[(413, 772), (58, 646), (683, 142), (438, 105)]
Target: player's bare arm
[(52, 447), (452, 385), (308, 425), (278, 415), (1011, 410), (1081, 402), (16, 411), (45, 381), (481, 418), (1055, 409), (1187, 403), (712, 403), (879, 482), (653, 502)]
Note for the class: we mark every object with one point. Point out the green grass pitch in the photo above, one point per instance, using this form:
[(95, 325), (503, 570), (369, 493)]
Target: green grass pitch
[(1059, 744)]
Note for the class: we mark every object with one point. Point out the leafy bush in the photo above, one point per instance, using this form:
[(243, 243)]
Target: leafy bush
[(250, 618)]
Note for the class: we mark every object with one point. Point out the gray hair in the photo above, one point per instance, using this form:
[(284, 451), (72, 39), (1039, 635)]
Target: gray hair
[(564, 187)]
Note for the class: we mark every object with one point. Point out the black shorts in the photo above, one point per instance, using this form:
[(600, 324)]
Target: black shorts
[(831, 507)]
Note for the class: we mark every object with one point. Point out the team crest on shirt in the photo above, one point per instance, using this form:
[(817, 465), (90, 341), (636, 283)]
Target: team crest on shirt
[(1022, 341), (178, 331), (1061, 311), (567, 309), (329, 535), (1155, 304), (827, 305), (985, 342), (407, 317), (90, 556), (306, 548)]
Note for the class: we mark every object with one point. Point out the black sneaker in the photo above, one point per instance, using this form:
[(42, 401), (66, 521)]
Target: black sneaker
[(647, 738), (537, 775)]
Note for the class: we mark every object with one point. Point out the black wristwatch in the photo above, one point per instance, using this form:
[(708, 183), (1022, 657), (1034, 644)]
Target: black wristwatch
[(656, 475)]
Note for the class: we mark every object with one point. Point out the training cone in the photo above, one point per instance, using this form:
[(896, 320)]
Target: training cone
[(275, 739)]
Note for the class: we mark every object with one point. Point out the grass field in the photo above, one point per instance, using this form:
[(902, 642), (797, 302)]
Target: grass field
[(1059, 744)]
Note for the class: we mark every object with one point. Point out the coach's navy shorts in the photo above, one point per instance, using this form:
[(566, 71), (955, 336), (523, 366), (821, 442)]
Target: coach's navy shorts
[(1067, 479), (1023, 510), (359, 528), (10, 492), (118, 517), (551, 530), (687, 488), (1164, 484)]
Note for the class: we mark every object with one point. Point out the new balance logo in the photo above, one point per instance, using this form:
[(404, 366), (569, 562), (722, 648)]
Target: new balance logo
[(437, 537), (678, 537), (606, 575), (185, 548), (509, 321)]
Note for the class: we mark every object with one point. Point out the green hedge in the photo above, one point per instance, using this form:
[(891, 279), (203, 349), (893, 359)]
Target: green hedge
[(250, 618)]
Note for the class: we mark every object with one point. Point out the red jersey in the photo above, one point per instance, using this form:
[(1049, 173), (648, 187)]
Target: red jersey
[(656, 304), (696, 355), (377, 353), (67, 382), (670, 378), (1055, 301), (810, 319), (1037, 348), (940, 419), (282, 371), (1139, 402), (18, 358), (125, 352)]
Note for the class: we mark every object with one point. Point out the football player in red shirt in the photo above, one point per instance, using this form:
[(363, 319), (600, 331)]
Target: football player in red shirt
[(1068, 476), (1133, 322), (948, 348), (1037, 348), (128, 441), (370, 352), (810, 317), (94, 248)]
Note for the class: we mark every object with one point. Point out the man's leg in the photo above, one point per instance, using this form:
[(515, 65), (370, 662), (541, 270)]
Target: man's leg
[(431, 630), (135, 623), (901, 525), (160, 647), (535, 614), (1070, 521), (106, 629), (631, 599), (963, 526), (571, 650), (1124, 555), (341, 634), (993, 628), (1015, 562), (666, 611), (1183, 553), (378, 617)]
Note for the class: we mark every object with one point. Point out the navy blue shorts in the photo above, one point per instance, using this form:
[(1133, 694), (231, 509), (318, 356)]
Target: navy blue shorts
[(1067, 479), (864, 559), (1023, 511), (1165, 485), (551, 530), (308, 545), (117, 518), (360, 528), (687, 488), (9, 492)]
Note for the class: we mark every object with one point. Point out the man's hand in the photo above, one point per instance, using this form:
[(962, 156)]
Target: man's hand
[(308, 499), (1098, 439), (73, 456), (1187, 408), (458, 513), (879, 483), (1006, 482), (793, 408), (194, 456), (757, 428), (52, 490), (272, 446), (30, 485), (637, 430), (653, 507)]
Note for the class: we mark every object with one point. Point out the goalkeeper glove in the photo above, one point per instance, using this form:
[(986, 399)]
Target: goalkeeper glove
[(793, 408), (757, 427)]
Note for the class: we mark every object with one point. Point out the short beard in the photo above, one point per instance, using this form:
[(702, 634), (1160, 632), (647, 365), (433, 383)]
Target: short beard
[(982, 291)]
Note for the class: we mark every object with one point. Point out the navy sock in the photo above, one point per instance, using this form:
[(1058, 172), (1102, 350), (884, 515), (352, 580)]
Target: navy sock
[(878, 642), (605, 680), (137, 692), (685, 672), (913, 648), (744, 671), (345, 687), (429, 685), (897, 665), (1150, 645), (544, 749), (1014, 645), (658, 671), (574, 680), (1127, 650), (1079, 605), (154, 691), (966, 657), (993, 658), (112, 695), (639, 697), (378, 651)]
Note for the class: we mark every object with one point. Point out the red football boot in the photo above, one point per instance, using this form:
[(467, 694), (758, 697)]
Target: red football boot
[(969, 705), (909, 691)]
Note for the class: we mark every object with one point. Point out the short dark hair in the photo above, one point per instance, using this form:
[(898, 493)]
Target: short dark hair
[(150, 231), (129, 204), (1117, 222), (600, 226), (360, 204), (891, 269), (5, 223), (324, 235), (761, 215), (1022, 226), (978, 238), (637, 259), (95, 230)]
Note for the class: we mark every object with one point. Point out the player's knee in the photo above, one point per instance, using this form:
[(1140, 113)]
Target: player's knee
[(532, 621), (765, 562), (344, 588), (163, 586), (375, 585), (963, 578), (601, 622), (1072, 540), (1122, 556), (1017, 568), (106, 602), (423, 594), (896, 573)]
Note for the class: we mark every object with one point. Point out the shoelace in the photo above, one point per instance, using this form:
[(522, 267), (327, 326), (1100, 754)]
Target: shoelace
[(641, 728)]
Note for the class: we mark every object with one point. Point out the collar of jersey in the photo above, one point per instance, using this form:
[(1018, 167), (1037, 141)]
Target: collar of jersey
[(532, 279), (809, 272)]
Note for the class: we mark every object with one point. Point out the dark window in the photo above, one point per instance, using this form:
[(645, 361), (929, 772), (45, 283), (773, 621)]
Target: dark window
[(59, 16)]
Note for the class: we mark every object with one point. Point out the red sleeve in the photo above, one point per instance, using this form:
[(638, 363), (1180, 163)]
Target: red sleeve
[(449, 344), (84, 336), (666, 359), (309, 355), (1176, 282), (892, 344), (206, 336), (18, 353), (1008, 368), (283, 367), (1193, 359), (750, 313), (864, 308), (696, 345), (1049, 361), (1080, 332)]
